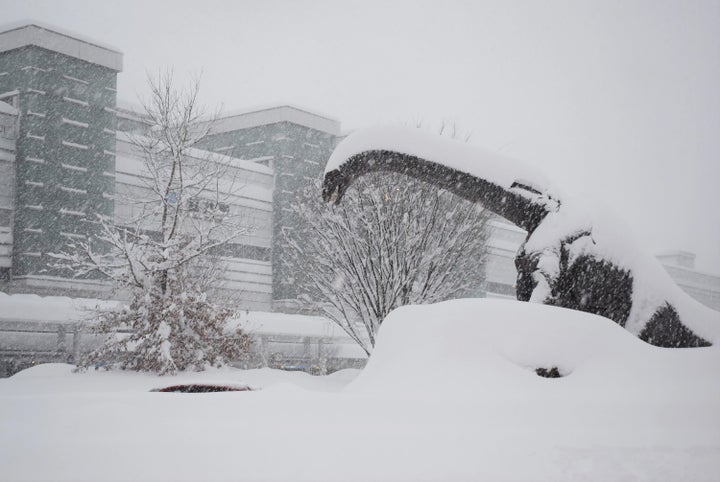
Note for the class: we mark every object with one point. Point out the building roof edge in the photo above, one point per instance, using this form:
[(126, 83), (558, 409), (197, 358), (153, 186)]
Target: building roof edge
[(31, 32)]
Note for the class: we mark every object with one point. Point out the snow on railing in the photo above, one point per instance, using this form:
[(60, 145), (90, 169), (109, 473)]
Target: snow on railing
[(76, 101), (73, 190), (72, 122), (72, 235), (75, 145), (35, 69), (72, 212), (75, 79), (73, 167)]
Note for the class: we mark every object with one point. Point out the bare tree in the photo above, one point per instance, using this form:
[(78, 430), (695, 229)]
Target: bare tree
[(162, 249), (392, 242)]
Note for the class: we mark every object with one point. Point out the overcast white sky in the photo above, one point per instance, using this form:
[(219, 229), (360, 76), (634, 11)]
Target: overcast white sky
[(613, 99)]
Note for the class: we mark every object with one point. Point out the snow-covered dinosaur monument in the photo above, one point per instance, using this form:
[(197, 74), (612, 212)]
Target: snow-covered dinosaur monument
[(574, 256)]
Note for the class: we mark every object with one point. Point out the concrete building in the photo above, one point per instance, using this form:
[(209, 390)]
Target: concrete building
[(295, 143), (67, 154), (506, 240), (247, 275), (8, 135), (704, 287), (500, 272), (64, 90)]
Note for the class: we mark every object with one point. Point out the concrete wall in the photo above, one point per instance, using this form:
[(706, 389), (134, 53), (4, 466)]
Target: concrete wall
[(65, 145), (297, 144)]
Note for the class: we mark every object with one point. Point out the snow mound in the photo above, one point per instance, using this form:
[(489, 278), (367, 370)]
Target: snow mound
[(492, 348), (60, 309)]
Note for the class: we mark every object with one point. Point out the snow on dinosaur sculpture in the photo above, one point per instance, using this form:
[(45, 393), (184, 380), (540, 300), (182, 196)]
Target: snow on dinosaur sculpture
[(568, 259)]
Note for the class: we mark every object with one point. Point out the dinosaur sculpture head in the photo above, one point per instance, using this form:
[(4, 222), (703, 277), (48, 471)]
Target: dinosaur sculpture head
[(334, 186)]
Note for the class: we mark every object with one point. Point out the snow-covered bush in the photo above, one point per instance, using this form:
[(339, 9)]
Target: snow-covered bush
[(168, 332), (164, 255), (394, 241)]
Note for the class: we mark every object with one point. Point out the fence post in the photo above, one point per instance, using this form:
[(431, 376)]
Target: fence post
[(322, 356), (263, 350), (61, 346), (77, 334)]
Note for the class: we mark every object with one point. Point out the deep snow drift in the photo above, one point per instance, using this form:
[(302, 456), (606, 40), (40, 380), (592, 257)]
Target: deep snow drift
[(500, 343), (449, 394)]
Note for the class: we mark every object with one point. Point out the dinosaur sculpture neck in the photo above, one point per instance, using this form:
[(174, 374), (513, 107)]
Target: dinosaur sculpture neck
[(520, 205)]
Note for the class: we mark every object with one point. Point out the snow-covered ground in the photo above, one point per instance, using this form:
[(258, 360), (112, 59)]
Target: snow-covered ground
[(449, 394)]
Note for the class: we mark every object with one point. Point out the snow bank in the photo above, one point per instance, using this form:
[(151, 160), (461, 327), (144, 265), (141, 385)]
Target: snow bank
[(473, 345), (61, 309), (262, 322)]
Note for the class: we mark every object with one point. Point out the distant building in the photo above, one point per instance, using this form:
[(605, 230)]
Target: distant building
[(704, 287), (8, 135), (65, 152), (247, 274), (296, 144), (501, 273), (66, 155), (64, 89)]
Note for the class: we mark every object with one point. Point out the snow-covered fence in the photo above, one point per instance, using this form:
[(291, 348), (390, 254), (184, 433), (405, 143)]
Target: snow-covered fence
[(317, 355), (36, 329), (24, 343)]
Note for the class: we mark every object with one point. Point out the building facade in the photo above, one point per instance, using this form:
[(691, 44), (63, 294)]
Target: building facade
[(8, 134), (67, 153), (295, 144), (680, 265), (704, 287), (64, 89)]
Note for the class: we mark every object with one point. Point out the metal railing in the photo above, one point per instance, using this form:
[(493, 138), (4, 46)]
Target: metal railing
[(30, 342)]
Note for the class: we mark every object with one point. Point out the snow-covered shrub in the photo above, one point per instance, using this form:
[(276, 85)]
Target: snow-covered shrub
[(164, 255), (394, 241), (168, 332)]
